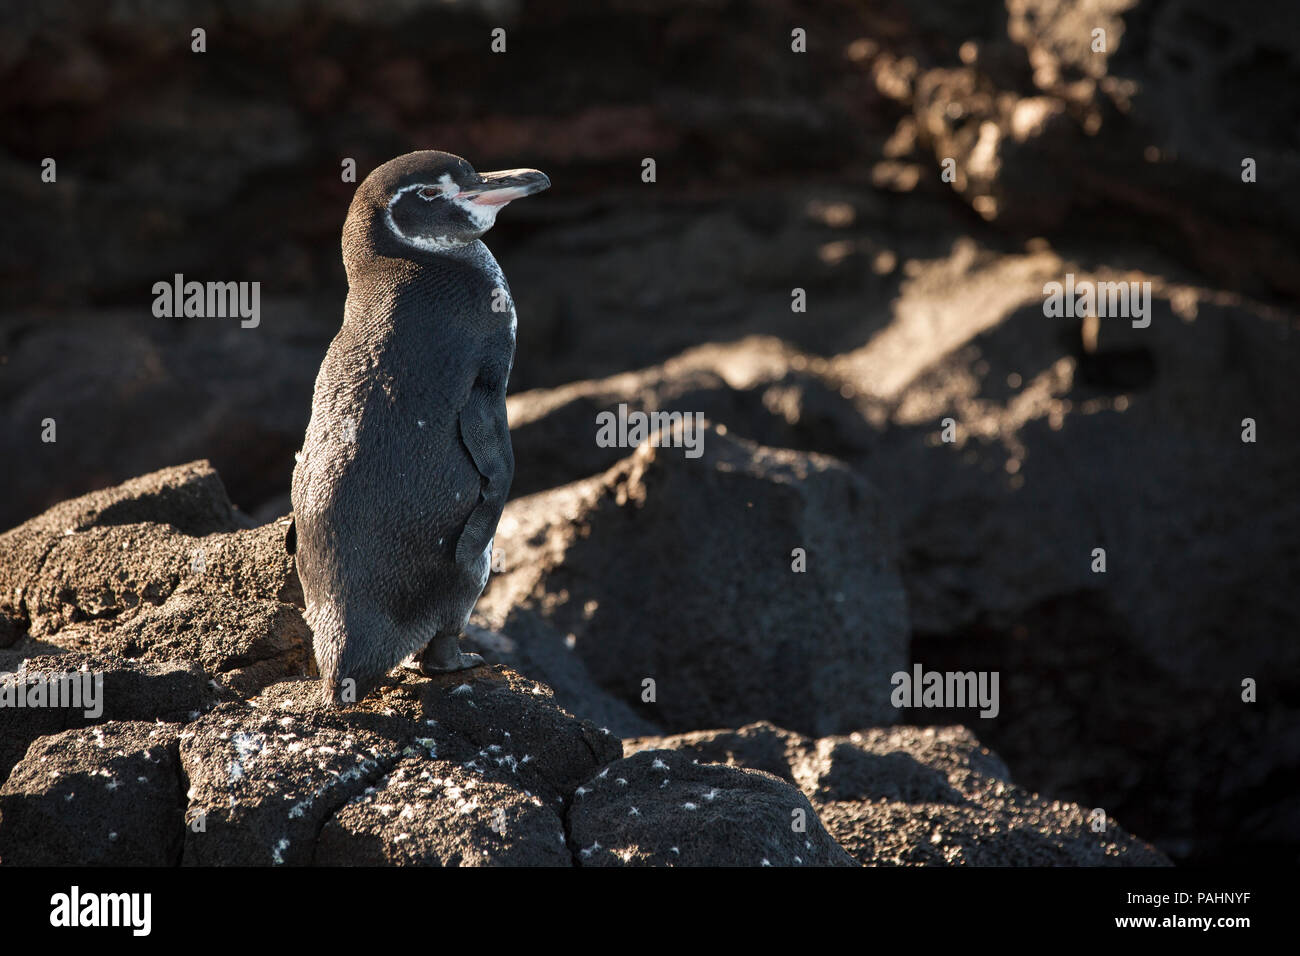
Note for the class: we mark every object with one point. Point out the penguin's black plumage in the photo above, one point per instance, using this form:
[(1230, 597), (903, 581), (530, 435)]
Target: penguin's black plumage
[(407, 460)]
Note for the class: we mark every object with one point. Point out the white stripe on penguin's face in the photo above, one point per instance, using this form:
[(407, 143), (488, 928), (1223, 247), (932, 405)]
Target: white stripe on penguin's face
[(427, 243), (483, 217)]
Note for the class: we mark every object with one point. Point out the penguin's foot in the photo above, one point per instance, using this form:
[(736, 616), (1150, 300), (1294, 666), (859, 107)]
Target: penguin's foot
[(464, 660), (443, 655)]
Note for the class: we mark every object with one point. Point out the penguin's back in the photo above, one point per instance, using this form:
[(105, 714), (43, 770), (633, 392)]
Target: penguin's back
[(384, 484)]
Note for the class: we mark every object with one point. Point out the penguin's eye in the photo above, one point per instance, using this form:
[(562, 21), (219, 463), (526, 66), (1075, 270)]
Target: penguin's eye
[(430, 192)]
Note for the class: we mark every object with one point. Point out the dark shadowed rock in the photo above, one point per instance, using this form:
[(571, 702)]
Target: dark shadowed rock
[(919, 796), (758, 746), (759, 388), (263, 782), (103, 795), (1072, 436), (1046, 128), (659, 808), (155, 570), (513, 724), (534, 650), (426, 771), (130, 691), (434, 813), (114, 553), (746, 102), (243, 644), (853, 773), (132, 393), (189, 499), (631, 567), (114, 573)]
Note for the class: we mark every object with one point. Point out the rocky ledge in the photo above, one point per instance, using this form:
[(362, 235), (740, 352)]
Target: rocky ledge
[(200, 737)]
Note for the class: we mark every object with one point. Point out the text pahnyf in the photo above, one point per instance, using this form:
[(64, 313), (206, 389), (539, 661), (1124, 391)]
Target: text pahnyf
[(78, 690), (208, 300)]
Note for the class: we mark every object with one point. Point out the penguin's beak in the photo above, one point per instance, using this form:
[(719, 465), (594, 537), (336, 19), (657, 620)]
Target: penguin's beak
[(505, 186)]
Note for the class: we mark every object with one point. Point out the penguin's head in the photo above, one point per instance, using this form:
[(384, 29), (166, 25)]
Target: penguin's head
[(433, 202)]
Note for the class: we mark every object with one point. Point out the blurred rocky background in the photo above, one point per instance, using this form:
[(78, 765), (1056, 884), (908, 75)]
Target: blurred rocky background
[(776, 170)]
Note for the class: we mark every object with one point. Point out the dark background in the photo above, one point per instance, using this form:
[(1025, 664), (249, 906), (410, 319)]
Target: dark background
[(775, 170)]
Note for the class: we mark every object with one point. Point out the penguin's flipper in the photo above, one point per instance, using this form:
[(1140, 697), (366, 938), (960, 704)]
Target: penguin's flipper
[(486, 436)]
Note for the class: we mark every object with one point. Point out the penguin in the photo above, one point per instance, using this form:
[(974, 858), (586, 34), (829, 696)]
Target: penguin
[(406, 463)]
